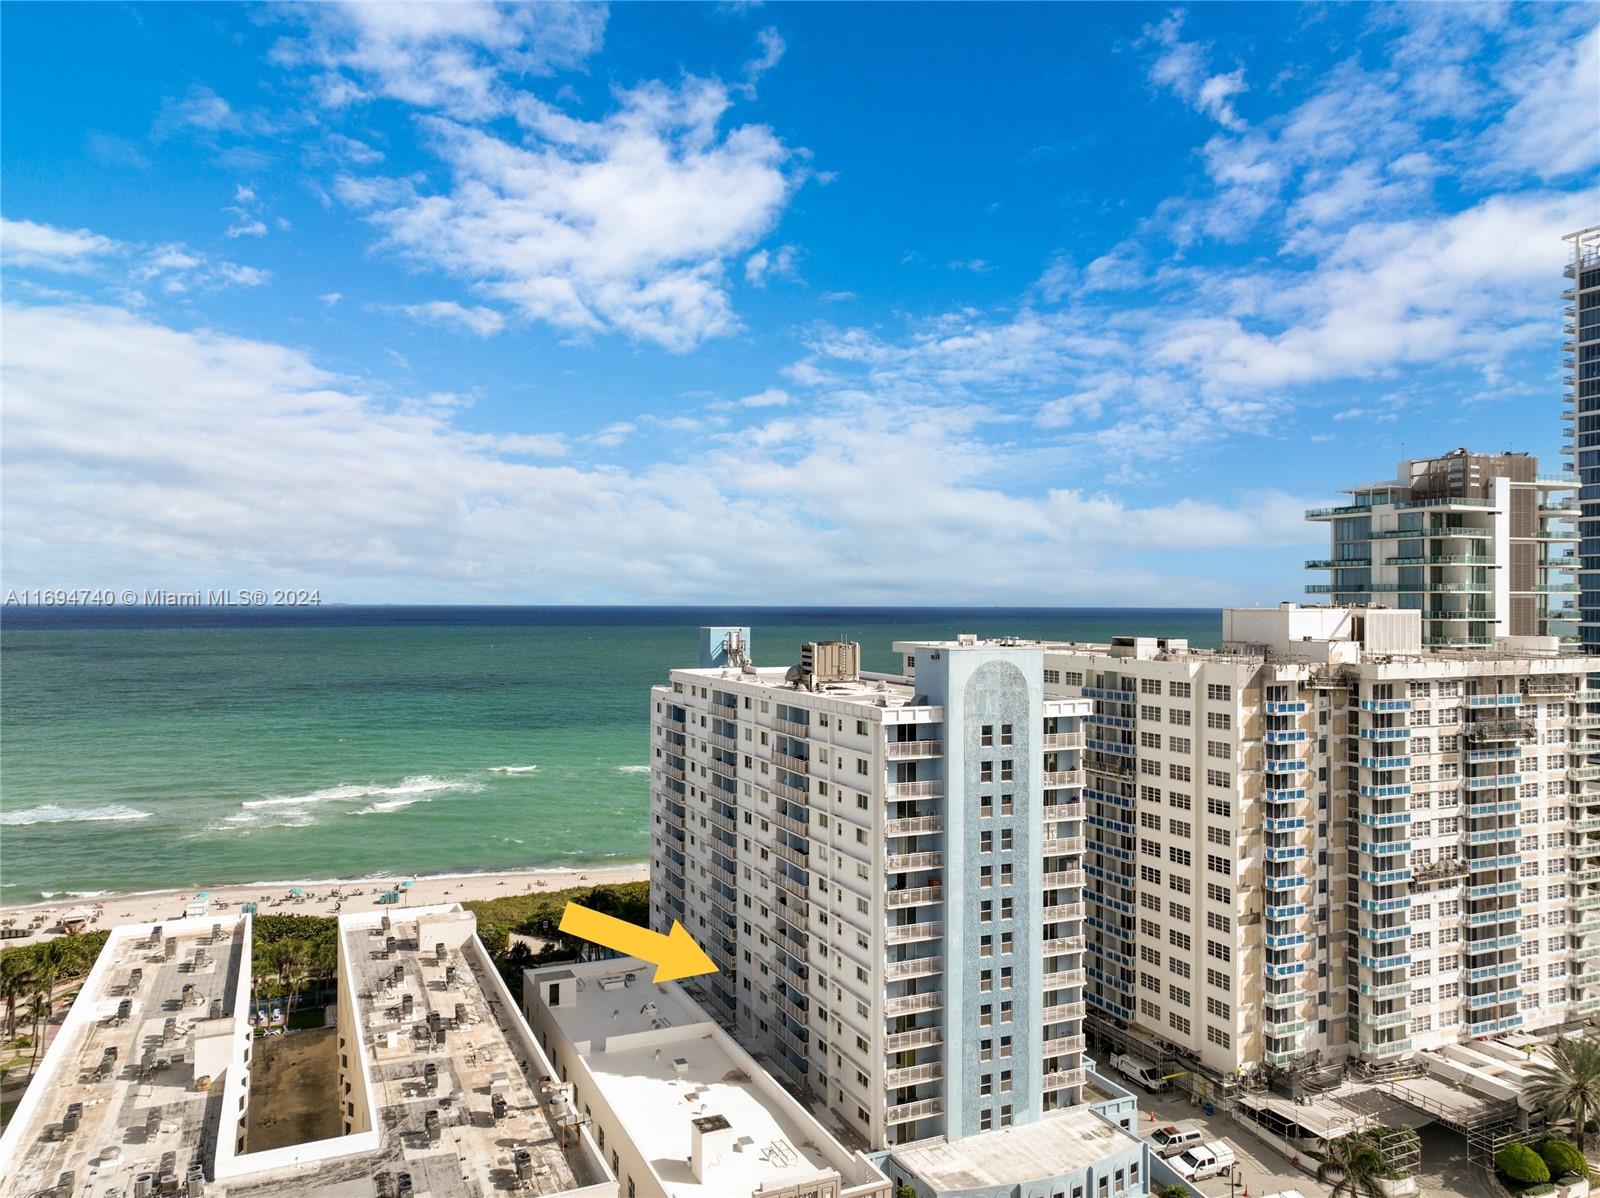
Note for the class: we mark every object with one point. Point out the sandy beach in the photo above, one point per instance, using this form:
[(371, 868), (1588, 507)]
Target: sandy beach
[(316, 897)]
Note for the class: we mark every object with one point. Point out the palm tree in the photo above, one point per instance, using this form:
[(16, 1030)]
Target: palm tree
[(16, 981), (1567, 1086), (1351, 1168), (40, 1007)]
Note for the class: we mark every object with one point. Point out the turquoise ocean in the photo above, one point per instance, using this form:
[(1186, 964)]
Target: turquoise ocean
[(142, 749)]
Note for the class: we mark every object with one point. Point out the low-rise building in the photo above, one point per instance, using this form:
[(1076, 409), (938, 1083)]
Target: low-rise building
[(679, 1109), (439, 1087)]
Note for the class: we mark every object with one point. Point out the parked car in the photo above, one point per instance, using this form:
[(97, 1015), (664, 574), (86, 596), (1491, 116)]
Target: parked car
[(1204, 1160), (1176, 1138), (1142, 1072)]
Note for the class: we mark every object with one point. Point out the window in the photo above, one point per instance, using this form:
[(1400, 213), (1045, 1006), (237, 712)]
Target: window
[(1222, 720), (1218, 692), (1179, 690), (986, 736)]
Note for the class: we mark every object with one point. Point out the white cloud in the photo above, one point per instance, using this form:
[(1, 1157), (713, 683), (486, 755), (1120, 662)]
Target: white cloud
[(613, 434), (246, 226), (330, 298), (1183, 68), (445, 56), (772, 397), (771, 52), (175, 268), (623, 223), (1550, 129), (482, 322), (26, 243), (771, 264), (267, 468)]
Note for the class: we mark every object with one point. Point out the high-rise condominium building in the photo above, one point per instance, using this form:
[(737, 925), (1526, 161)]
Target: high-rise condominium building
[(1480, 544), (1323, 840), (1581, 359), (887, 874)]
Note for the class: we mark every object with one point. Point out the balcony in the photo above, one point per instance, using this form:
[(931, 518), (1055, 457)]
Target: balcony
[(1062, 1013), (1511, 700), (1063, 877), (901, 749), (917, 967), (1282, 999), (917, 825), (921, 1037), (1296, 708), (911, 1004), (1286, 737), (1385, 1049), (1059, 778), (907, 933), (1063, 846), (914, 897), (795, 765), (1385, 848), (899, 863), (1063, 979), (1396, 990), (1064, 1079), (1397, 762), (1062, 1045), (1478, 919), (1063, 911), (910, 1112), (1498, 781), (915, 790), (1062, 740), (1386, 1020), (1495, 998), (1054, 813), (1389, 819), (791, 728), (913, 1075), (1385, 733)]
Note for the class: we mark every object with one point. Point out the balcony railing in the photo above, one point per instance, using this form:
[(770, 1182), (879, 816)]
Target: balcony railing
[(915, 748), (905, 933)]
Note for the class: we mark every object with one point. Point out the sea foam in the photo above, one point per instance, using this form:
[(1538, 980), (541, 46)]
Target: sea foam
[(633, 769), (49, 813), (513, 769), (411, 788)]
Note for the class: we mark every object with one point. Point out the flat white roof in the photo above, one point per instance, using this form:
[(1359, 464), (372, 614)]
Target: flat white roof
[(662, 1064), (1062, 1143)]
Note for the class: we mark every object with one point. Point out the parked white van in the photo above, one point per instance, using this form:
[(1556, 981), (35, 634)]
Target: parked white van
[(1142, 1072)]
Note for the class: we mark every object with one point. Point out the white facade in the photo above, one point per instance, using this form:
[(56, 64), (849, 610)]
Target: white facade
[(1310, 848), (889, 878), (1480, 544)]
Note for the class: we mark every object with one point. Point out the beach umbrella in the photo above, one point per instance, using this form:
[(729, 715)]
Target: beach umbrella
[(203, 894), (296, 890), (407, 884)]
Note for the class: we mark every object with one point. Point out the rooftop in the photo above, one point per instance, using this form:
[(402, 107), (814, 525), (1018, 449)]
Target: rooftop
[(127, 1086), (459, 1023), (664, 1067), (1057, 1144), (156, 1106)]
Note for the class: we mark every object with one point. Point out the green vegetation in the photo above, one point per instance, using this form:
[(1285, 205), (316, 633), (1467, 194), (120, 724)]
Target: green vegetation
[(1352, 1168), (906, 1192), (1562, 1158), (1521, 1164), (1566, 1085), (539, 915), (30, 975), (293, 954), (1172, 1191)]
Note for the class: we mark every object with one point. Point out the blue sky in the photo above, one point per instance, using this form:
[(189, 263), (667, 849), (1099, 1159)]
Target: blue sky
[(1075, 304)]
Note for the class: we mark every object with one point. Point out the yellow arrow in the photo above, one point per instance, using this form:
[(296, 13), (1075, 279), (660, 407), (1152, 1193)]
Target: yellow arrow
[(674, 955)]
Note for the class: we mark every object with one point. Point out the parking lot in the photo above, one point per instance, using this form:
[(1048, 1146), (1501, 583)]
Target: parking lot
[(1445, 1172)]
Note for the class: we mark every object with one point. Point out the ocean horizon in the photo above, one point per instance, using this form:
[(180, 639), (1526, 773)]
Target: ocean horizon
[(163, 747)]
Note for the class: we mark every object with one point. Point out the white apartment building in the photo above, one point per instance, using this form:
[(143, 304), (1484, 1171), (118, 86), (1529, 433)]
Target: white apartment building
[(1482, 545), (888, 875), (679, 1108), (1324, 841)]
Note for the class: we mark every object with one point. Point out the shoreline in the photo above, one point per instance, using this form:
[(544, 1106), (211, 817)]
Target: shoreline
[(321, 896)]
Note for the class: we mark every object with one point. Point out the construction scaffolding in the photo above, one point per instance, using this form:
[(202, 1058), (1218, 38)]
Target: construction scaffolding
[(1486, 1125)]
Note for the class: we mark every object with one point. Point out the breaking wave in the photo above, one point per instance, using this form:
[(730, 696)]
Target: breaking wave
[(49, 813), (409, 788)]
